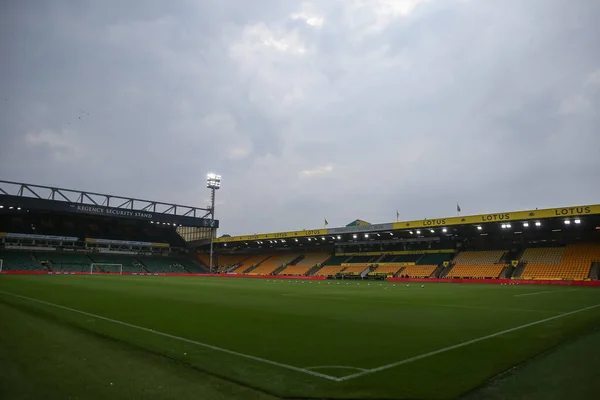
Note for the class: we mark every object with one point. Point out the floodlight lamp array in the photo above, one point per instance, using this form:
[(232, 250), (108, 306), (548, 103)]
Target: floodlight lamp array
[(213, 181)]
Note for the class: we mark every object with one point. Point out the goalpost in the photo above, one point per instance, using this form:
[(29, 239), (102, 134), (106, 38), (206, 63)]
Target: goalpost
[(1, 263), (107, 267)]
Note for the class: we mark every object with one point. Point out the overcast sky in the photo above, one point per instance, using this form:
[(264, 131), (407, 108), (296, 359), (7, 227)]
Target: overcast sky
[(309, 109)]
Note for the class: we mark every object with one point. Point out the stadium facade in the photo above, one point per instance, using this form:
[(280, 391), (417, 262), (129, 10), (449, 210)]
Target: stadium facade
[(45, 229)]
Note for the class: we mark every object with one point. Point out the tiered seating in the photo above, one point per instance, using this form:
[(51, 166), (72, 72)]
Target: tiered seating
[(269, 266), (298, 270), (266, 267), (417, 271), (387, 270), (227, 261), (386, 258), (476, 271), (18, 261), (130, 264), (336, 260), (362, 259), (406, 258), (544, 255), (65, 262), (355, 269), (312, 259), (190, 266), (434, 259), (161, 264), (479, 257), (204, 258), (575, 263), (249, 262), (329, 270)]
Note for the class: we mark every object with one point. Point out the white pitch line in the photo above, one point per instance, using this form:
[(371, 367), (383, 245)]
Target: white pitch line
[(336, 367), (208, 346), (547, 291), (456, 346)]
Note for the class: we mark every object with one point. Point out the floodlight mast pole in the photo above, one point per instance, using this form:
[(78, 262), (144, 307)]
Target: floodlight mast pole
[(212, 219), (213, 182)]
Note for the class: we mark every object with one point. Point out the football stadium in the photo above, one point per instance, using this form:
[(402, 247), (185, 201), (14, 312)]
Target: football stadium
[(104, 296)]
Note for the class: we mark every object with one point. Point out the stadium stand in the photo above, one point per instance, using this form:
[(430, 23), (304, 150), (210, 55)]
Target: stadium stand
[(329, 270), (18, 261), (574, 263), (312, 259), (297, 270), (160, 264), (274, 262), (477, 264), (362, 259), (543, 255), (479, 257), (226, 263), (417, 271), (406, 258), (476, 271), (336, 260), (129, 263), (64, 262), (355, 269), (386, 270), (250, 262), (434, 259), (190, 266)]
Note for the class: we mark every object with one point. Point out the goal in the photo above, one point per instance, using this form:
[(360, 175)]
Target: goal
[(1, 264), (106, 267)]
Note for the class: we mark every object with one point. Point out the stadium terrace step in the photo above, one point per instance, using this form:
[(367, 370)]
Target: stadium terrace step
[(313, 270), (595, 271), (279, 269), (519, 270), (436, 273), (507, 272), (446, 270)]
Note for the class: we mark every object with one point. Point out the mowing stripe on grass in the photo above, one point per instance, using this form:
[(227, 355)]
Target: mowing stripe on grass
[(456, 346), (415, 303), (547, 291), (208, 346)]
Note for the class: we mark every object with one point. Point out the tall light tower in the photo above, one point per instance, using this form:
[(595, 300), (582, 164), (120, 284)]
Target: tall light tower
[(213, 182)]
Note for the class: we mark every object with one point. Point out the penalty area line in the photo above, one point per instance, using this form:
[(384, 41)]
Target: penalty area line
[(456, 346), (182, 339)]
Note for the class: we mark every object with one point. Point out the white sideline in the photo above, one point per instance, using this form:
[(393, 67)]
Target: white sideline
[(456, 346), (547, 291), (208, 346)]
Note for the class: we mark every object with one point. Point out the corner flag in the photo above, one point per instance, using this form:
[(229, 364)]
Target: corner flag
[(326, 223), (457, 208)]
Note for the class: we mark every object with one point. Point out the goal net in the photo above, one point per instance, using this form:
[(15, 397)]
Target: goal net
[(106, 267)]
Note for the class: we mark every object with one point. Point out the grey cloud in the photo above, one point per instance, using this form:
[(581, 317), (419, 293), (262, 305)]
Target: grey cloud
[(486, 103)]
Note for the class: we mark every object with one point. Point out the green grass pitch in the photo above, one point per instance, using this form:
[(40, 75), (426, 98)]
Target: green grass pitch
[(262, 339)]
